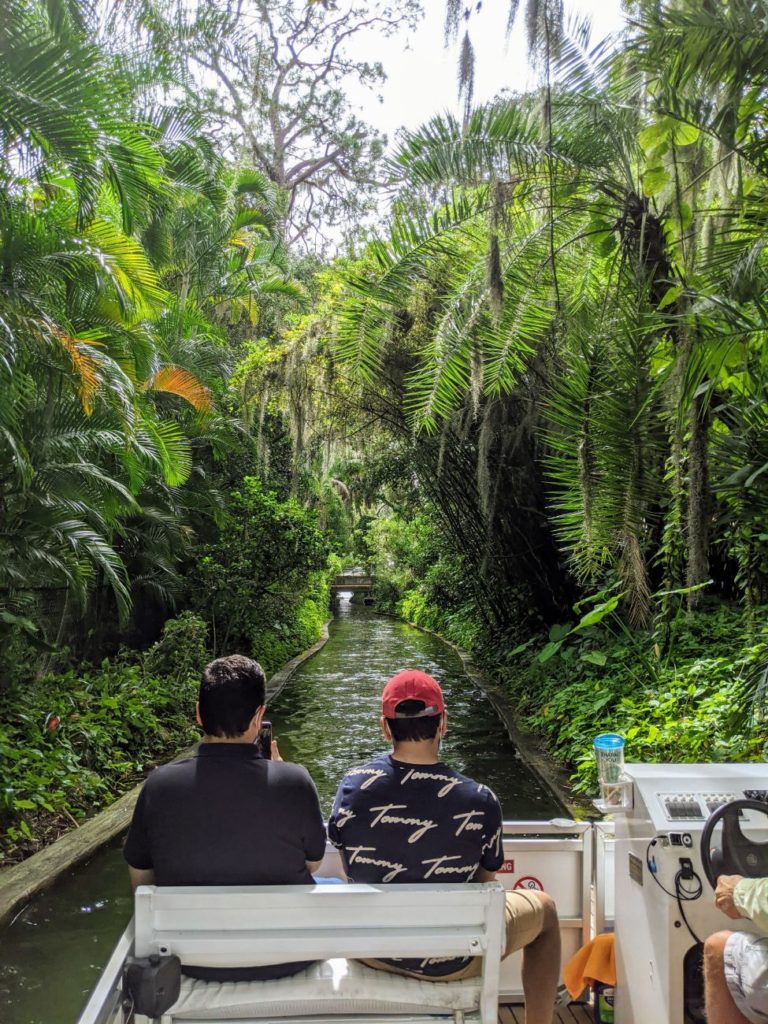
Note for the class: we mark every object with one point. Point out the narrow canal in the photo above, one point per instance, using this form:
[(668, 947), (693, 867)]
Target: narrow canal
[(327, 719)]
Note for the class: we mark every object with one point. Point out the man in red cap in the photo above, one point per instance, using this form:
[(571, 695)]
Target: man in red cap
[(408, 817)]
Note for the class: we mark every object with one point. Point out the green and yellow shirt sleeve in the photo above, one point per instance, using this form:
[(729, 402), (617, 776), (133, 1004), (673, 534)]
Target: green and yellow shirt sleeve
[(750, 898)]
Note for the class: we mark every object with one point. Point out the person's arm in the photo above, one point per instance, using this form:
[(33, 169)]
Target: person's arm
[(338, 813), (750, 898), (313, 827), (141, 876), (334, 836), (492, 856), (136, 850), (312, 865), (724, 890), (483, 875)]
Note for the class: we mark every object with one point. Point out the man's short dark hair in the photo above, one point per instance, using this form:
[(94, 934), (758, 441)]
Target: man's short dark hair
[(231, 690), (413, 729)]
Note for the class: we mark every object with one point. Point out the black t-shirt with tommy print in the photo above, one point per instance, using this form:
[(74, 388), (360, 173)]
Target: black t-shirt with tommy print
[(398, 822)]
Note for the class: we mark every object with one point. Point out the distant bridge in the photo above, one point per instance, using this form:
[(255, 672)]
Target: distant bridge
[(352, 581)]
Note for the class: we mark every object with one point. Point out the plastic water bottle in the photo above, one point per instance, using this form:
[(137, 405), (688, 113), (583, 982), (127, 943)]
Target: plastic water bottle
[(609, 754)]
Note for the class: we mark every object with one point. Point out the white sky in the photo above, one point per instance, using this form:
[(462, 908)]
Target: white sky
[(422, 73)]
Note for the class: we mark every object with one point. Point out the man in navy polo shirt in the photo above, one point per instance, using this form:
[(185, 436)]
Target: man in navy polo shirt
[(408, 817), (228, 816)]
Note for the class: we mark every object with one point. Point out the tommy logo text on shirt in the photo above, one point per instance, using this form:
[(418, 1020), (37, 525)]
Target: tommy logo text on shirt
[(356, 855), (467, 823), (494, 841), (439, 867), (375, 773), (416, 776), (385, 818), (345, 815)]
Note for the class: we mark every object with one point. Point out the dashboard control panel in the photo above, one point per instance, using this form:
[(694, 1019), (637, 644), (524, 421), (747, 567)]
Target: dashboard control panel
[(715, 800), (699, 806), (681, 806), (680, 798)]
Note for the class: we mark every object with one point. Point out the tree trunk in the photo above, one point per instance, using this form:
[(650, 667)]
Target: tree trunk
[(699, 505)]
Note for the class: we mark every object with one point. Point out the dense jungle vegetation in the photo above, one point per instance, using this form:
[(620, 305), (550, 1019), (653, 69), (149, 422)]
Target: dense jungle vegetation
[(532, 401)]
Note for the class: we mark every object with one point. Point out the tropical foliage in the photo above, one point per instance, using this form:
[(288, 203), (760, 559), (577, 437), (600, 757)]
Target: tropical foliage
[(688, 700), (261, 584), (137, 264), (564, 322), (81, 738), (576, 279), (535, 405), (130, 254)]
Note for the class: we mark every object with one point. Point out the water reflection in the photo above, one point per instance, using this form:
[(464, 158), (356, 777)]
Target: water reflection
[(327, 717), (53, 952)]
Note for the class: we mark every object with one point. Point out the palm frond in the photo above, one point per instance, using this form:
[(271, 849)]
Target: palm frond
[(174, 380)]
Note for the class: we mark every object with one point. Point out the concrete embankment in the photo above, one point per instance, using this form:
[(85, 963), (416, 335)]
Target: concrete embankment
[(18, 884)]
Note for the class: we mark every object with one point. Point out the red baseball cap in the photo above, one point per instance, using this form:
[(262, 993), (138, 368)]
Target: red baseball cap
[(412, 685)]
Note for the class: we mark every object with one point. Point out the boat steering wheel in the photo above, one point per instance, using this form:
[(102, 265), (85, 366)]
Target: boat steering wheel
[(737, 854)]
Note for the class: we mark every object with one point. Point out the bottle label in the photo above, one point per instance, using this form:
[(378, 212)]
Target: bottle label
[(605, 1006)]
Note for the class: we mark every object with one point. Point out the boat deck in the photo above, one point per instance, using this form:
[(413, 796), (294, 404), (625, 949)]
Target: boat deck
[(577, 1013)]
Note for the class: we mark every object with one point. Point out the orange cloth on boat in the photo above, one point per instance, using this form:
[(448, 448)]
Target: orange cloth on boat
[(595, 961)]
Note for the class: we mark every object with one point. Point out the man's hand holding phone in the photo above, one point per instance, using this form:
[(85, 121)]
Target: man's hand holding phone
[(267, 746), (264, 739)]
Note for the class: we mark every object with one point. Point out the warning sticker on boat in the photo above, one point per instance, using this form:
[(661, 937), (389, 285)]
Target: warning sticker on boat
[(635, 869), (507, 868), (529, 882)]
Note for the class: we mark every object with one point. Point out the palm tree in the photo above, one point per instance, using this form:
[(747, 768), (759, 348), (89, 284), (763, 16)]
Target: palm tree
[(126, 246), (707, 68), (579, 254)]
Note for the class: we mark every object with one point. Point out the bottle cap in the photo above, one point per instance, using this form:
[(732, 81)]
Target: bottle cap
[(609, 741)]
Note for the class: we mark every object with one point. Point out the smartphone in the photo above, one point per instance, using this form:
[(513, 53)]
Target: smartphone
[(264, 739)]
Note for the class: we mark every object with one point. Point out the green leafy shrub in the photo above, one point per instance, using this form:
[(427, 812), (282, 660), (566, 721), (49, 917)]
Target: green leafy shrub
[(692, 688), (298, 626), (72, 742), (253, 582), (684, 697), (420, 579), (181, 653)]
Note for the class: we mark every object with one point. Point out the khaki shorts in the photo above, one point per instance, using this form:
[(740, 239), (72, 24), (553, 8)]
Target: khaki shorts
[(524, 919), (746, 973)]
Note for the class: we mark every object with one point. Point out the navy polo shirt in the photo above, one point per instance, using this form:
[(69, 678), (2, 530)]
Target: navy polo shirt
[(400, 822)]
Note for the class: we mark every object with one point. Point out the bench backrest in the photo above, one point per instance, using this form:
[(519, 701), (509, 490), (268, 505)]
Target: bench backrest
[(238, 927)]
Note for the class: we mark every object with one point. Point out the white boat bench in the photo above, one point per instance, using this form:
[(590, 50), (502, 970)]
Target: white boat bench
[(334, 925)]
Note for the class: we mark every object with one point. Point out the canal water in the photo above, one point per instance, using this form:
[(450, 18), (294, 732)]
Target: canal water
[(327, 719)]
